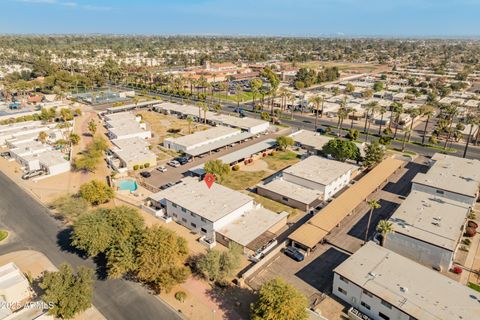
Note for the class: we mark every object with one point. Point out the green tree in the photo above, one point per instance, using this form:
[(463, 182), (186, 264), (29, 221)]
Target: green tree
[(278, 300), (341, 150), (92, 127), (374, 154), (372, 204), (189, 121), (161, 257), (265, 116), (284, 142), (378, 86), (349, 88), (42, 136), (96, 192), (384, 227), (218, 168), (352, 134), (68, 293), (74, 139), (218, 265)]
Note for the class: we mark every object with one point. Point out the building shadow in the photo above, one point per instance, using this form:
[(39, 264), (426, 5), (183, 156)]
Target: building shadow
[(383, 213), (404, 184), (319, 272), (234, 301)]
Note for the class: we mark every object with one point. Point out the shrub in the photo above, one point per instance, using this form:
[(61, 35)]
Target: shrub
[(236, 167), (467, 242), (146, 165), (273, 153), (141, 167), (135, 167), (180, 296), (96, 192), (472, 215), (472, 224), (470, 232)]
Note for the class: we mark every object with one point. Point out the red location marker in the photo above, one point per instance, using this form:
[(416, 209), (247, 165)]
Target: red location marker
[(209, 179)]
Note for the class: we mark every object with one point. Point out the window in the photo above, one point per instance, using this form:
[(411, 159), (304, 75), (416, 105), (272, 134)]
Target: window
[(342, 291), (192, 214), (184, 220), (285, 199), (381, 315), (386, 304), (193, 224), (365, 292), (439, 191), (175, 215), (344, 280), (174, 205), (184, 210), (203, 219), (366, 306), (203, 230)]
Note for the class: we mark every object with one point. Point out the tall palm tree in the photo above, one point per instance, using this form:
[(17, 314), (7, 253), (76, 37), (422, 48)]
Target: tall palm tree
[(342, 114), (189, 121), (414, 113), (406, 133), (451, 112), (471, 120), (384, 227), (292, 99), (200, 106), (428, 111), (398, 110), (373, 204), (382, 111), (371, 108), (316, 100), (205, 109), (42, 137)]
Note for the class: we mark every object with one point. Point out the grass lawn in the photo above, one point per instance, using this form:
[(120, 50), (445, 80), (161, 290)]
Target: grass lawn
[(3, 234), (241, 180), (160, 124), (272, 205), (474, 286), (281, 160), (245, 96)]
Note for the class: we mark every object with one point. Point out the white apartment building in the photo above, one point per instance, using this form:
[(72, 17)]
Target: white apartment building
[(14, 289), (450, 177), (428, 229), (130, 152), (387, 286), (208, 211), (125, 125), (309, 182)]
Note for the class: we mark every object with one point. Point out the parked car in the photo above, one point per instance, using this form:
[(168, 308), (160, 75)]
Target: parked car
[(32, 174), (167, 185), (294, 253), (5, 155), (174, 163), (162, 169), (183, 160), (321, 131), (145, 174)]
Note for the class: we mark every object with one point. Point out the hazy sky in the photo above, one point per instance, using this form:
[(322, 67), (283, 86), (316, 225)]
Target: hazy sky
[(244, 17)]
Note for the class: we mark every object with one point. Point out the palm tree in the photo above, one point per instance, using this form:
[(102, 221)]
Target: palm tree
[(316, 100), (371, 108), (373, 204), (398, 110), (451, 112), (414, 113), (382, 111), (384, 227), (189, 121), (342, 114), (426, 110), (200, 106), (406, 132), (205, 109), (471, 120), (292, 100)]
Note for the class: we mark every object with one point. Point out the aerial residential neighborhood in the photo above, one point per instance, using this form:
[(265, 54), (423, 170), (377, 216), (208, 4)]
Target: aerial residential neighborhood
[(269, 160)]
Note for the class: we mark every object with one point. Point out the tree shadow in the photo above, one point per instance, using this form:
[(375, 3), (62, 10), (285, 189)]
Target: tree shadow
[(233, 300), (65, 244)]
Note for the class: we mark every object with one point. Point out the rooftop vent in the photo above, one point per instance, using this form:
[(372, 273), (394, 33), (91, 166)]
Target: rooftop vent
[(404, 289)]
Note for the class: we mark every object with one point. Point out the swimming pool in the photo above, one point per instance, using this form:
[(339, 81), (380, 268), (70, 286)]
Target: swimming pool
[(129, 185)]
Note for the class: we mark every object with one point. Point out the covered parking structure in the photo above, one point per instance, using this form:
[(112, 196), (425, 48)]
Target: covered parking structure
[(319, 226)]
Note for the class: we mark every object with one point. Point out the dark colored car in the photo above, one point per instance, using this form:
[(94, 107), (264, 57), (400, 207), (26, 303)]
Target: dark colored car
[(167, 185), (321, 131), (183, 160), (145, 174), (294, 253)]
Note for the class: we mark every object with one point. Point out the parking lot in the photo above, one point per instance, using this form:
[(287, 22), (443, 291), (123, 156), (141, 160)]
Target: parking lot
[(172, 174), (314, 275)]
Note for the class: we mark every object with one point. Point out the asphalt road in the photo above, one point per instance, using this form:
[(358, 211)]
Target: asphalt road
[(31, 227), (308, 122)]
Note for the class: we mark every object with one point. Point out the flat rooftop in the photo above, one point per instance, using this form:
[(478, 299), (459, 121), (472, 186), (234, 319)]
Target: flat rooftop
[(132, 149), (431, 219), (241, 154), (319, 169), (252, 225), (310, 139), (454, 174), (292, 190), (410, 287), (203, 136), (127, 129), (211, 204)]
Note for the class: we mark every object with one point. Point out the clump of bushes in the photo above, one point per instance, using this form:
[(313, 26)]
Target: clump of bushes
[(180, 296), (236, 167)]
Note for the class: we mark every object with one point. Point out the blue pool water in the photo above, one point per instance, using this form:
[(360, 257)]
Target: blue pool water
[(129, 185)]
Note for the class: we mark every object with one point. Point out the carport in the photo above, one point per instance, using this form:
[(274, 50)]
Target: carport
[(314, 231)]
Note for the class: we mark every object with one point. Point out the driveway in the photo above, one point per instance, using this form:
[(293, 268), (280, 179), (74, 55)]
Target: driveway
[(32, 228)]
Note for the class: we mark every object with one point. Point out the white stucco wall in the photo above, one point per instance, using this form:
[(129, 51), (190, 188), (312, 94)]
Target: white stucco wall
[(443, 193)]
